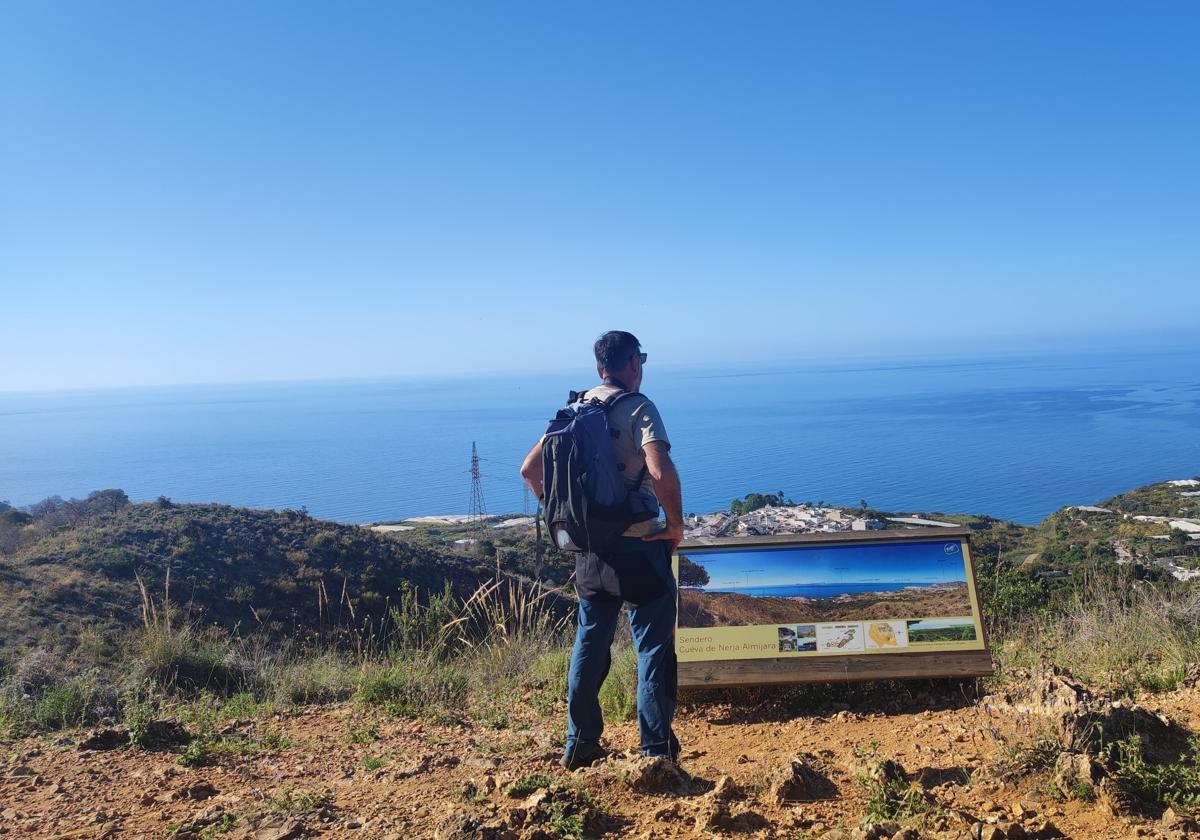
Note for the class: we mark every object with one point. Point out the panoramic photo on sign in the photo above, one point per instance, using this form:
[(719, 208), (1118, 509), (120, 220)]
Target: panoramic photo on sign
[(747, 601)]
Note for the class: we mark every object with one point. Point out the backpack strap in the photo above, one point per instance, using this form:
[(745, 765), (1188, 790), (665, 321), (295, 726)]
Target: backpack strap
[(612, 399), (608, 406), (607, 403), (637, 485)]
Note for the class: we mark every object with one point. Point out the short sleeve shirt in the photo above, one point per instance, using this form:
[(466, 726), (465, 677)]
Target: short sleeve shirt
[(637, 422)]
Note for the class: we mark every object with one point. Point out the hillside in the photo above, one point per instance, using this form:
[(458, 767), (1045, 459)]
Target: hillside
[(281, 572), (72, 566), (448, 725)]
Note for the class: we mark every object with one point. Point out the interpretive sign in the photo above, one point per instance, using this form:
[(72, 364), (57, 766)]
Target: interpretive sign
[(822, 607)]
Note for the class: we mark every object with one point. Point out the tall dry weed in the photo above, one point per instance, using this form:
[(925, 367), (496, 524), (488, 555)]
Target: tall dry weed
[(1142, 638)]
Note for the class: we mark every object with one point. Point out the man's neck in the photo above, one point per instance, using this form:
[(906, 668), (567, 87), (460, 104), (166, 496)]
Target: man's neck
[(612, 380)]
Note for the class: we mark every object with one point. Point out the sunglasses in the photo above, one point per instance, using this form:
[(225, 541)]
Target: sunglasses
[(642, 357)]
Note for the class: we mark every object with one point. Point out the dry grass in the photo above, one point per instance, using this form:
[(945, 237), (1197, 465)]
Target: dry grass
[(1142, 639)]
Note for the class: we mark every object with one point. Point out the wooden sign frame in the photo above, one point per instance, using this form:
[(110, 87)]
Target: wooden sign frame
[(705, 661)]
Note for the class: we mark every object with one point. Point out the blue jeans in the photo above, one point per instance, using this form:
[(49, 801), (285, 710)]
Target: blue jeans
[(652, 623)]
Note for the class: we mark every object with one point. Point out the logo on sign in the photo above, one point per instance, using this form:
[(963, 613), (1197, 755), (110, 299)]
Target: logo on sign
[(950, 548)]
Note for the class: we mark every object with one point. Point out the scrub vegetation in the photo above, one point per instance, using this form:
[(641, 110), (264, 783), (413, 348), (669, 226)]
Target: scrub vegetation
[(178, 621)]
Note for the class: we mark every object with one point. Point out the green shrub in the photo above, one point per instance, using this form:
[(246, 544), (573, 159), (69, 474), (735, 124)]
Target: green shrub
[(1122, 641), (890, 795), (528, 784), (418, 687), (180, 657), (564, 825), (63, 706), (1176, 784), (548, 676), (422, 627), (618, 694), (196, 754), (312, 679), (1083, 792), (494, 706), (363, 734), (297, 801), (241, 706), (139, 713)]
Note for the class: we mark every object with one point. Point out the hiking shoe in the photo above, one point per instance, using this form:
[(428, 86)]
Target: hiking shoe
[(582, 755), (672, 754)]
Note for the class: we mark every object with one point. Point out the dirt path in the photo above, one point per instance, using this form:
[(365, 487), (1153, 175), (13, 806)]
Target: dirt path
[(346, 771)]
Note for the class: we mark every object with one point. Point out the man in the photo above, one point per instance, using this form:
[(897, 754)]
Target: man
[(637, 571)]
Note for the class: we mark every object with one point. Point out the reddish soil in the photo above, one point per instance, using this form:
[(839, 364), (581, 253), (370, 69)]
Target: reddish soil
[(433, 777)]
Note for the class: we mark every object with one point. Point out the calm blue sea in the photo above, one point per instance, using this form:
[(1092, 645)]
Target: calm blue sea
[(817, 590), (1012, 437)]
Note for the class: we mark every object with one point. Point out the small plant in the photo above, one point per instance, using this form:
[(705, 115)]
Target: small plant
[(371, 764), (618, 694), (139, 716), (62, 706), (1019, 760), (8, 725), (527, 785), (890, 796), (208, 749), (297, 801), (493, 708), (567, 826), (363, 734), (870, 751), (486, 747), (240, 706), (1176, 784), (549, 677), (400, 710), (200, 716), (274, 740), (1083, 792), (421, 686), (196, 754)]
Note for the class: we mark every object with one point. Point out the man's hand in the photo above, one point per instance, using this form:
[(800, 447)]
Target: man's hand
[(672, 535)]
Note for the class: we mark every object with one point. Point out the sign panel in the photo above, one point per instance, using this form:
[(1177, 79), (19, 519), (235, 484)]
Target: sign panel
[(804, 603)]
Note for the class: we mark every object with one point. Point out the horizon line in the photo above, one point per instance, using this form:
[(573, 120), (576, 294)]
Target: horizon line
[(774, 364)]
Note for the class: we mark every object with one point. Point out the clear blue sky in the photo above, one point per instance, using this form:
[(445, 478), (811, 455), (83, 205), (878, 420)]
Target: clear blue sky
[(903, 563), (226, 191)]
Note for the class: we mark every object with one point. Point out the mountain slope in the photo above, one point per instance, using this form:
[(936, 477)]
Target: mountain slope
[(233, 567)]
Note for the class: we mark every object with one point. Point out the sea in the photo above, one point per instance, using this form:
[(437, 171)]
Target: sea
[(1014, 437), (818, 590)]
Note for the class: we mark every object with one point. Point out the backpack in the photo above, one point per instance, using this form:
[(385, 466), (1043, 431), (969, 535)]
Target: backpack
[(586, 505)]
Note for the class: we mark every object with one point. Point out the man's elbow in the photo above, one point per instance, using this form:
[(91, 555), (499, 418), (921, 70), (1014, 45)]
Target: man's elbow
[(661, 467)]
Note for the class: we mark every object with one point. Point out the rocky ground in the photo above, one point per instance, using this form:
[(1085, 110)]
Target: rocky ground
[(955, 767)]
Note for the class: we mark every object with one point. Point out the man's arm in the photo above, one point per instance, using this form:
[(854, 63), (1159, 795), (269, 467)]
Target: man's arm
[(666, 487), (531, 470)]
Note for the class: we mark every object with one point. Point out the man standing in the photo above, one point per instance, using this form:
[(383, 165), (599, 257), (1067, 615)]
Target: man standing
[(637, 570)]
